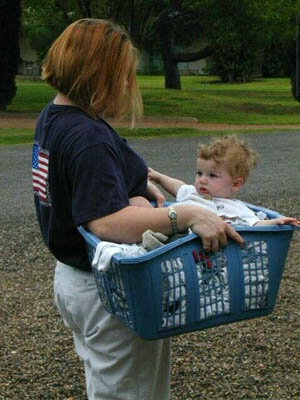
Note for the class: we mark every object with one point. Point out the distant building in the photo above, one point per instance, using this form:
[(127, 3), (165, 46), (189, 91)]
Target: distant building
[(153, 64), (149, 64), (29, 64)]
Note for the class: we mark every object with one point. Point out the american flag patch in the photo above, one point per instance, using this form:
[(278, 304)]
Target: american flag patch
[(40, 161)]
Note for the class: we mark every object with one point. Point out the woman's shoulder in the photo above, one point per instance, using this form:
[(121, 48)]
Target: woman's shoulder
[(78, 125), (69, 129)]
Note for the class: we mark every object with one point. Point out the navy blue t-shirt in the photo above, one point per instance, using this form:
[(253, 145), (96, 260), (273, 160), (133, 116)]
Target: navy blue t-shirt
[(82, 170)]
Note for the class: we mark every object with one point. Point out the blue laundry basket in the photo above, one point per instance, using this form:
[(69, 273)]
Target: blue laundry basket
[(179, 288)]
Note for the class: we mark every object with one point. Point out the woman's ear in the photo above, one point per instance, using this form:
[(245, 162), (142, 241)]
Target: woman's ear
[(238, 183)]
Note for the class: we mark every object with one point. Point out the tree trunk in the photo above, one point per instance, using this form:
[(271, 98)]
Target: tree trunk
[(85, 8), (172, 76), (10, 14)]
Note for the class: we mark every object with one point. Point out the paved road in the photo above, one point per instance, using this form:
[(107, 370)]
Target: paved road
[(277, 174)]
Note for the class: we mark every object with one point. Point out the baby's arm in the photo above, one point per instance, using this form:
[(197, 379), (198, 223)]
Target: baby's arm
[(154, 194), (279, 221), (171, 185)]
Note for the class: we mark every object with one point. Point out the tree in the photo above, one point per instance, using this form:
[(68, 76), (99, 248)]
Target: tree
[(234, 32), (295, 73), (10, 15), (38, 28), (241, 39), (279, 44), (161, 26), (247, 37), (177, 28)]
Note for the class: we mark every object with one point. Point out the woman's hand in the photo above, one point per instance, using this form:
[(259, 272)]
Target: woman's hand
[(212, 230), (217, 237)]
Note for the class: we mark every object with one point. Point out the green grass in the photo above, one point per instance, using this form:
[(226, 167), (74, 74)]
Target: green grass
[(11, 136), (15, 136), (262, 101), (31, 96)]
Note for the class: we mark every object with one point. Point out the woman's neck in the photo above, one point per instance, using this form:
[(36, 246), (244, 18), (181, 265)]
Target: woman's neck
[(62, 100)]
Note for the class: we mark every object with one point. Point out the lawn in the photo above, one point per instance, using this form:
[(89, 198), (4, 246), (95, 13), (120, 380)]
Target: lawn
[(261, 101)]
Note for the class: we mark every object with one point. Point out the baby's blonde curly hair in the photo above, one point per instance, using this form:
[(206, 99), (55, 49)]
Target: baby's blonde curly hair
[(237, 157)]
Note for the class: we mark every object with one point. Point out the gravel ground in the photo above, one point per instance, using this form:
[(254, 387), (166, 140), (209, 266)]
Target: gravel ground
[(257, 359)]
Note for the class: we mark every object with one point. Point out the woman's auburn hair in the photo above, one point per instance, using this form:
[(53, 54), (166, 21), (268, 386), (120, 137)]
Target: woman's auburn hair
[(93, 62)]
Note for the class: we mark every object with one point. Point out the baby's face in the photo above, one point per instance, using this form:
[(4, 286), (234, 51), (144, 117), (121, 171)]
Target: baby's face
[(213, 180)]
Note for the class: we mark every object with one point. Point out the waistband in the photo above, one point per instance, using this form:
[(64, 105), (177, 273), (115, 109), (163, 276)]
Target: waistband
[(69, 268)]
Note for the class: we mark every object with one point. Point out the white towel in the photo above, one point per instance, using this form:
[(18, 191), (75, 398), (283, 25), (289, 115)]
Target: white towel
[(105, 251)]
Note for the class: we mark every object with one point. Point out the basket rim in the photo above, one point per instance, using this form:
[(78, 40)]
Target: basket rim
[(93, 240)]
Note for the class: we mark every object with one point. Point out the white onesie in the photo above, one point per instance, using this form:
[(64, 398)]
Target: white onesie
[(231, 210)]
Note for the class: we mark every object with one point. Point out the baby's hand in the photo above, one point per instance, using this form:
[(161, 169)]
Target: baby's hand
[(279, 221), (287, 221), (155, 194), (151, 174)]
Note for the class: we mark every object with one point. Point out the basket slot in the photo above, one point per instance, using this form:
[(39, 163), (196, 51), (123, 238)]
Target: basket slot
[(144, 280), (103, 289), (195, 287), (116, 290), (174, 292), (255, 274), (181, 299), (213, 285)]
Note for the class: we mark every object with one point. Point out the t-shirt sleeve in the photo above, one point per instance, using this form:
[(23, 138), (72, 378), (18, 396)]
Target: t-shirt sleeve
[(247, 215), (184, 193), (98, 187)]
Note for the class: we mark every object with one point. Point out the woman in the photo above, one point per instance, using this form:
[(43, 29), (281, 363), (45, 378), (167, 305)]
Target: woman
[(85, 174)]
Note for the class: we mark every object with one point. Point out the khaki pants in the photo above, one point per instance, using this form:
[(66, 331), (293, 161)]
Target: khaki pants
[(118, 364)]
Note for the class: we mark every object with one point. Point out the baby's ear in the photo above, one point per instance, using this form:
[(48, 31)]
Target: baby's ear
[(238, 183)]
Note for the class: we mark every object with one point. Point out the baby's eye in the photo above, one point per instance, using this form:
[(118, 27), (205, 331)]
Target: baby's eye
[(199, 173), (212, 175)]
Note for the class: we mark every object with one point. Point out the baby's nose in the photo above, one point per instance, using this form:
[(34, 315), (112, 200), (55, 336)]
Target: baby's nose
[(203, 179)]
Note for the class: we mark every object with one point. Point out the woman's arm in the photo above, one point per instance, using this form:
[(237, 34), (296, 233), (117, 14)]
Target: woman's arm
[(128, 225), (171, 185), (140, 201)]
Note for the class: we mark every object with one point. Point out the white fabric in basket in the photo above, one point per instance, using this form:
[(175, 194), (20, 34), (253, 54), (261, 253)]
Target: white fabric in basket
[(105, 251)]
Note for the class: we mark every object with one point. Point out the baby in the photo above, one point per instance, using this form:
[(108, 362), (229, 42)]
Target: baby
[(222, 168)]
